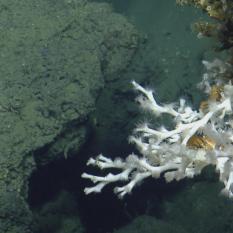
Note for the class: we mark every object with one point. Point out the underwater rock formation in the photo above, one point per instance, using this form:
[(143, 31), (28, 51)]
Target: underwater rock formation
[(54, 59)]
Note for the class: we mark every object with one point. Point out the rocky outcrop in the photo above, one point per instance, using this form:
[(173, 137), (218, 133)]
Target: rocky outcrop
[(54, 59)]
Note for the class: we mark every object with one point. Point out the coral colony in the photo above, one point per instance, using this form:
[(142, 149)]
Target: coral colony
[(198, 138)]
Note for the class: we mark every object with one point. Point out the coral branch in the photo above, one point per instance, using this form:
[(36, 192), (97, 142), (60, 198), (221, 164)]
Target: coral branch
[(198, 139)]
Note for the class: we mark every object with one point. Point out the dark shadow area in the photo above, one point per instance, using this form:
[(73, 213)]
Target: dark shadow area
[(99, 213)]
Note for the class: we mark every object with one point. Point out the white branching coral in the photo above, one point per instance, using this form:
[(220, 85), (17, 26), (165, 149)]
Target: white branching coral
[(199, 138)]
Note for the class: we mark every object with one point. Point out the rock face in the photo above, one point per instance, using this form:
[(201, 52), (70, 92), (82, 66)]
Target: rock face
[(54, 59), (176, 216)]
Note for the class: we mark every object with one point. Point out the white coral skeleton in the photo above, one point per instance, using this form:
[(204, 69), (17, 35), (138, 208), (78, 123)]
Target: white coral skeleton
[(199, 138)]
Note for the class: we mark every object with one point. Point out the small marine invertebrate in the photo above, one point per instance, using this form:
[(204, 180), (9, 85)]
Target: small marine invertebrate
[(201, 142), (215, 94)]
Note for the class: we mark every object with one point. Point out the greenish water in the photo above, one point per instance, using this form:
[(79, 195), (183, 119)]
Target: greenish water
[(173, 50), (169, 62)]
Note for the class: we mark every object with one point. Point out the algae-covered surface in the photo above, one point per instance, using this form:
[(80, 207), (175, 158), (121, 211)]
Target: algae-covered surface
[(54, 57)]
